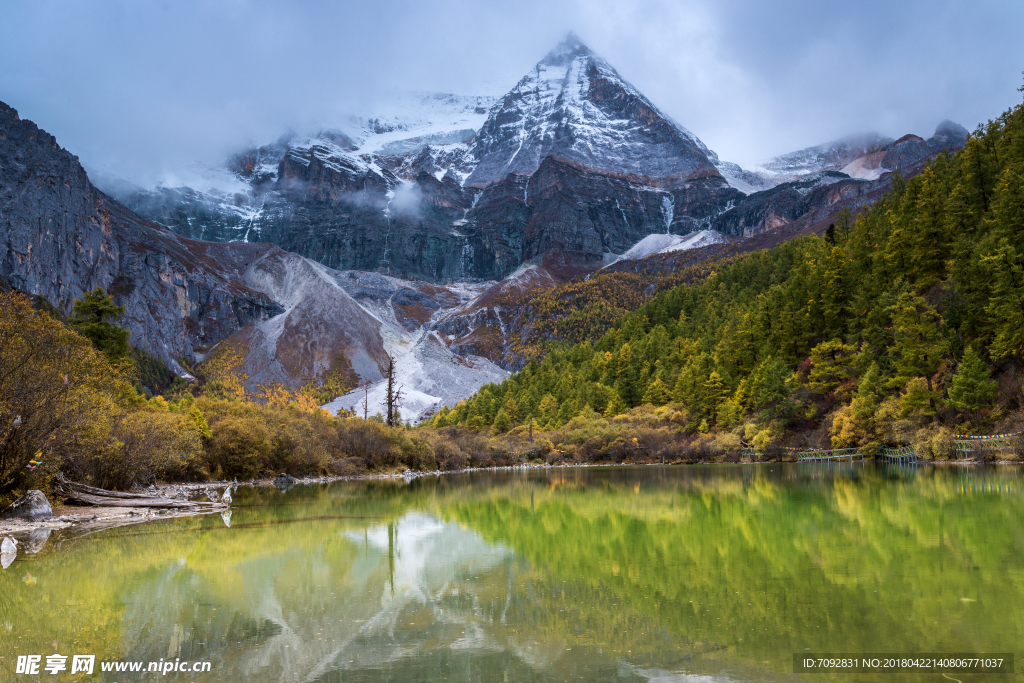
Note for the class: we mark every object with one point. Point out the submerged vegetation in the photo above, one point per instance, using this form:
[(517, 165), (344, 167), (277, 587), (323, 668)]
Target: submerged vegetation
[(902, 325)]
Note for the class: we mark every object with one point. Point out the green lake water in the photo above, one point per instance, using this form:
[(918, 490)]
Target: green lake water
[(717, 573)]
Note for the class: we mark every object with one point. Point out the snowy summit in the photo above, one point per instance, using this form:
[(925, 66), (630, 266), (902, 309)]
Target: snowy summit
[(573, 104)]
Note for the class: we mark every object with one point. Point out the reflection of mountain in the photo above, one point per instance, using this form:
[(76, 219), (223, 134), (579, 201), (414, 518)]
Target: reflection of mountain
[(298, 613), (611, 574)]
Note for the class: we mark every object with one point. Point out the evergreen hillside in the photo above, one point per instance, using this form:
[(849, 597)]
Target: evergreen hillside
[(887, 329)]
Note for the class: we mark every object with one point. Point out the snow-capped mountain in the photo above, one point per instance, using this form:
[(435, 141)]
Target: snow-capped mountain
[(572, 160), (574, 105), (864, 157), (831, 156), (342, 245), (811, 185), (443, 123)]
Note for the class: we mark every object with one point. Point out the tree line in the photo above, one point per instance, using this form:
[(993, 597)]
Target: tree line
[(888, 328)]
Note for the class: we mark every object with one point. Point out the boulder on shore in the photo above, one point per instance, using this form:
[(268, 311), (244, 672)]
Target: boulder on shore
[(32, 507), (285, 479)]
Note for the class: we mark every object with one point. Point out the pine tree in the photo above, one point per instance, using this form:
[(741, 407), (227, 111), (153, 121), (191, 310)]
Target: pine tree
[(1008, 208), (196, 419), (833, 291), (929, 239), (615, 406), (501, 421), (972, 388), (917, 400), (512, 409), (831, 365), (689, 389), (441, 419), (548, 406), (870, 391), (656, 393), (919, 346), (714, 394), (843, 223), (91, 317), (1006, 306), (830, 234), (768, 383)]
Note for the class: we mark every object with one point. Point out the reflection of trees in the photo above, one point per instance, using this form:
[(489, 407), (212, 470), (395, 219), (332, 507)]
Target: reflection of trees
[(847, 564), (557, 574)]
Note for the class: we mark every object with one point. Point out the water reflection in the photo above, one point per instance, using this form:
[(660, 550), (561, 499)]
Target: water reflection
[(608, 574)]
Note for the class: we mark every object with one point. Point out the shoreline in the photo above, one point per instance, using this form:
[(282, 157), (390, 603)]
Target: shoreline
[(96, 518)]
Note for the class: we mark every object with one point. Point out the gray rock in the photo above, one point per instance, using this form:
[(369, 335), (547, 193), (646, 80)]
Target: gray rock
[(36, 540), (284, 478), (33, 507), (60, 237)]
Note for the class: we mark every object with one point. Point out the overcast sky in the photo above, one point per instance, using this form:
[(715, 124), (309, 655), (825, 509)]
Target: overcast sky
[(142, 89)]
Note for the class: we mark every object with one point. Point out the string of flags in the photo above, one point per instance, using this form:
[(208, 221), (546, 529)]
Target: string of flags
[(37, 459), (986, 436)]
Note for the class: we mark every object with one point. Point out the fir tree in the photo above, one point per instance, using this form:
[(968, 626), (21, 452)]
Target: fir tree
[(972, 388), (656, 394), (501, 421), (714, 394), (91, 317), (831, 365)]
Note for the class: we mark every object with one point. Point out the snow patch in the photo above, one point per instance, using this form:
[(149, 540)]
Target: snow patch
[(430, 375), (861, 168), (663, 244)]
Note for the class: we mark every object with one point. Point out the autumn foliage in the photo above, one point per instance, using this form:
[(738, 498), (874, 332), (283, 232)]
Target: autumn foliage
[(902, 324)]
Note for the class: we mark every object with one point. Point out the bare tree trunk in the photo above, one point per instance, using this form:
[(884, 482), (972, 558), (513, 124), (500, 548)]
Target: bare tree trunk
[(393, 399)]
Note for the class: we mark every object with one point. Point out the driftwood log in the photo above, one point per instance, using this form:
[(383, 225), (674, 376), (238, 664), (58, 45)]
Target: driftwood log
[(90, 495)]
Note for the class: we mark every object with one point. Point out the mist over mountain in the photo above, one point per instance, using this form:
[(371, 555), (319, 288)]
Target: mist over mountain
[(423, 230), (572, 165), (144, 91)]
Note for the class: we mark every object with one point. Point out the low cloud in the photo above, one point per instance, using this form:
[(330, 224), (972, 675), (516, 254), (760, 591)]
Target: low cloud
[(145, 90), (408, 200)]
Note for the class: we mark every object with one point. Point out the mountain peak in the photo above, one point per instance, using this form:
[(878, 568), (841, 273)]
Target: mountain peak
[(574, 105), (567, 50)]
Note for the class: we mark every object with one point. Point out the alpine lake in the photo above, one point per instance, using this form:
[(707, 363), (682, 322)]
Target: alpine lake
[(686, 573)]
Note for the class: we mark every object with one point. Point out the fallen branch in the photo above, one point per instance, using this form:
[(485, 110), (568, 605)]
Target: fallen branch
[(90, 495)]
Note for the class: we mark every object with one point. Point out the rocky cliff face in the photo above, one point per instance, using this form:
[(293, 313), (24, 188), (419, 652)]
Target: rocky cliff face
[(60, 236), (294, 320)]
